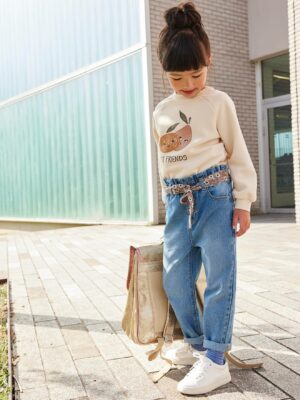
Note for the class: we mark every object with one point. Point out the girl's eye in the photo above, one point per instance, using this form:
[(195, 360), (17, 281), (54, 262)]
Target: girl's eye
[(178, 79)]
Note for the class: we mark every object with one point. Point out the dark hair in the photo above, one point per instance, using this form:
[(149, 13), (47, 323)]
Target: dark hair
[(183, 42)]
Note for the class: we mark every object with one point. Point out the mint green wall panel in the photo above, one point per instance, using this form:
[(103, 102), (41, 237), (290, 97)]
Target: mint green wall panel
[(41, 40), (77, 150)]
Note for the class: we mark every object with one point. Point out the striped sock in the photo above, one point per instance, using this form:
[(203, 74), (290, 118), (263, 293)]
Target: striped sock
[(198, 347), (216, 356)]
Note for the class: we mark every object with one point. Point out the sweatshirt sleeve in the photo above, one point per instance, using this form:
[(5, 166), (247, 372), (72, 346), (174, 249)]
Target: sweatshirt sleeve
[(156, 138), (243, 173)]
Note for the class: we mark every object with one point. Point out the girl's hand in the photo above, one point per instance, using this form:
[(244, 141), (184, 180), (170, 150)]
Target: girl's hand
[(243, 217)]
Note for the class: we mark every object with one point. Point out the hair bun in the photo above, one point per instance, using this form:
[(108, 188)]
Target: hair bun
[(183, 16)]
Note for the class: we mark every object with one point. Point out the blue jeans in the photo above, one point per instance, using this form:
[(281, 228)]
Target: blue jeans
[(210, 240)]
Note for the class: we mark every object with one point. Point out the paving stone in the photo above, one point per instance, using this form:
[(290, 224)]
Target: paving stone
[(17, 288), (262, 326), (22, 321), (81, 398), (28, 373), (281, 299), (134, 379), (72, 290), (82, 279), (36, 393), (167, 384), (45, 273), (24, 256), (36, 292), (79, 341), (49, 334), (284, 311), (275, 350), (253, 385), (226, 392), (293, 295), (104, 284), (41, 309), (87, 312), (275, 319), (118, 281), (284, 378), (54, 290), (278, 285), (107, 341), (102, 270), (240, 330), (61, 374), (98, 380), (108, 309), (139, 352), (63, 309), (27, 266), (292, 343), (247, 286), (243, 351), (120, 301), (65, 313), (91, 261)]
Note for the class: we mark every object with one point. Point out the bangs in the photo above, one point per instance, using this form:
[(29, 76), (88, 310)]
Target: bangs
[(184, 53)]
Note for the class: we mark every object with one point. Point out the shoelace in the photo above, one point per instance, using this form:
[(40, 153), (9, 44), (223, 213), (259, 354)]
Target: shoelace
[(184, 348), (198, 374), (188, 347)]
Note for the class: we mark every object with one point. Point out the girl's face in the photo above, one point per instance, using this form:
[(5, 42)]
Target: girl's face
[(188, 83)]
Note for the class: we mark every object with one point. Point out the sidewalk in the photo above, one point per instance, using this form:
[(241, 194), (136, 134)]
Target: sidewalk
[(68, 295)]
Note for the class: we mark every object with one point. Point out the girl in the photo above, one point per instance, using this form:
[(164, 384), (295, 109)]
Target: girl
[(208, 184)]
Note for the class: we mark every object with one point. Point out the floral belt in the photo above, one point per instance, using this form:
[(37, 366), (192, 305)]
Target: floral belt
[(210, 180)]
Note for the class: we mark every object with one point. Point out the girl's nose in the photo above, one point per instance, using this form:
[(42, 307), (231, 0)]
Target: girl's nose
[(188, 84)]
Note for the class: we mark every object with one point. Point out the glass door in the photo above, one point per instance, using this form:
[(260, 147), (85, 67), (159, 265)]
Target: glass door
[(277, 139), (280, 152)]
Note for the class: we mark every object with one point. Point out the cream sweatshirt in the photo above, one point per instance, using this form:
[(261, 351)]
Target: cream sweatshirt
[(193, 134)]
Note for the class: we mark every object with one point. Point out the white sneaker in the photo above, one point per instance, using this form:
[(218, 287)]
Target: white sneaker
[(204, 376), (184, 355)]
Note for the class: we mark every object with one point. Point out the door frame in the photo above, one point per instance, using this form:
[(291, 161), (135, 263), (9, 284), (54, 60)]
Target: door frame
[(278, 101), (263, 142)]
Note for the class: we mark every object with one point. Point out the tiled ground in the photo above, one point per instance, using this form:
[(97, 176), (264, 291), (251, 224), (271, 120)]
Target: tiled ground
[(68, 295)]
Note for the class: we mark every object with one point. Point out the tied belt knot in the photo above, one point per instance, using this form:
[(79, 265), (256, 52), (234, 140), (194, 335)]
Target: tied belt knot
[(187, 190)]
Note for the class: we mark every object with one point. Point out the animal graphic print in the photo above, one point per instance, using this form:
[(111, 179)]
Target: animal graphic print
[(176, 140)]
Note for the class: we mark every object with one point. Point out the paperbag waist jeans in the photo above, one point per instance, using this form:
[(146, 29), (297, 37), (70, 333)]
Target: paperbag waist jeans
[(208, 240)]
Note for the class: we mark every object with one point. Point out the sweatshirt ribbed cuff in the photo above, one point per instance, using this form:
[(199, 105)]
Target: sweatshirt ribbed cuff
[(243, 204)]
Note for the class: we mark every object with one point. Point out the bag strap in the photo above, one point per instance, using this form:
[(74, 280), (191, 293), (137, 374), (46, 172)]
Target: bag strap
[(170, 323), (167, 336), (132, 251), (241, 364)]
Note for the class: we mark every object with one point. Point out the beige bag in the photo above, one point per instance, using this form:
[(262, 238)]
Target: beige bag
[(148, 315)]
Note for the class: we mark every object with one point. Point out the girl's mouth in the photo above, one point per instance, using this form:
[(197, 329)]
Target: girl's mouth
[(188, 92)]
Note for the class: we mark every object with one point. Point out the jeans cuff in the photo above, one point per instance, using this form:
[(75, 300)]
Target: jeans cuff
[(208, 344), (195, 340)]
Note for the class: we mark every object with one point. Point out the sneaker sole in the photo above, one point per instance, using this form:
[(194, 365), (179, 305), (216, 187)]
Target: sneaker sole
[(208, 388)]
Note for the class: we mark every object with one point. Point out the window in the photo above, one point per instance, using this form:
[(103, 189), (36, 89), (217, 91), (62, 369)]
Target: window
[(276, 76)]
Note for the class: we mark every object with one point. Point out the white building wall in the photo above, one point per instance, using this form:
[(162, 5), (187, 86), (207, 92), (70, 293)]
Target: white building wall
[(268, 28)]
